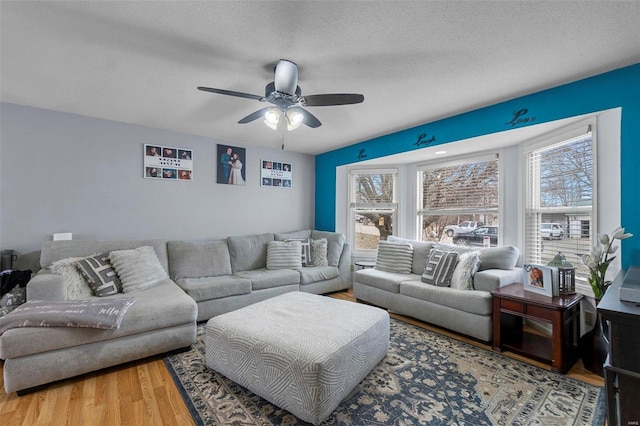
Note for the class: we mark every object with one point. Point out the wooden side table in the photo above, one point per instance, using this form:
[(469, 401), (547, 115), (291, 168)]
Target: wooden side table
[(512, 303)]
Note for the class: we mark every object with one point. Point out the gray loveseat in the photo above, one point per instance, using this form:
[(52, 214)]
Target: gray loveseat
[(465, 311), (206, 279)]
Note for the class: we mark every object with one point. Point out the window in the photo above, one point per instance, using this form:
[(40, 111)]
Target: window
[(560, 198), (459, 201), (373, 207)]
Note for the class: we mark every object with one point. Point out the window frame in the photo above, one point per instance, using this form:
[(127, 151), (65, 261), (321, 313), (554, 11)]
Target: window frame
[(356, 208), (555, 139), (476, 157)]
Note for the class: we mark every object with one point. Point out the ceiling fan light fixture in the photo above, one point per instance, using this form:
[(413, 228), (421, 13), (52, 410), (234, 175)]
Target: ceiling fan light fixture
[(272, 117), (294, 118)]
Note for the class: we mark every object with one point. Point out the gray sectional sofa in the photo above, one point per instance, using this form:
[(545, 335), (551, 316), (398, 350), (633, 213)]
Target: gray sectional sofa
[(205, 279), (465, 311)]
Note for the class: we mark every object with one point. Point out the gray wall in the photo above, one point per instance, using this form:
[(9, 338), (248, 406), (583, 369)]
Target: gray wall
[(68, 173)]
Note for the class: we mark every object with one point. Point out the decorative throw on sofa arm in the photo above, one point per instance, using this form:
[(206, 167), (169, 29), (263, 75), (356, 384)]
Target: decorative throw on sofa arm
[(104, 313)]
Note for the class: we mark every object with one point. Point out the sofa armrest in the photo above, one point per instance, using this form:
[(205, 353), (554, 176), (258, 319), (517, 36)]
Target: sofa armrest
[(491, 279), (47, 285), (344, 265)]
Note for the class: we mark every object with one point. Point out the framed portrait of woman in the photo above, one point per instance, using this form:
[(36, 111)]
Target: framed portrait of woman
[(538, 279)]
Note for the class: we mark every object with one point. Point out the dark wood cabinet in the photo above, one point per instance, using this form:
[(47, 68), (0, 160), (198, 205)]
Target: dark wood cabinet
[(622, 368)]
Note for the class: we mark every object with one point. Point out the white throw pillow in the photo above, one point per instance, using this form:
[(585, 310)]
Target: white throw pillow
[(439, 268), (396, 256), (319, 250), (137, 269), (284, 255), (467, 266), (77, 286)]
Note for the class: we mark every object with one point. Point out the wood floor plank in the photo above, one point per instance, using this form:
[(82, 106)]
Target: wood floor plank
[(143, 392)]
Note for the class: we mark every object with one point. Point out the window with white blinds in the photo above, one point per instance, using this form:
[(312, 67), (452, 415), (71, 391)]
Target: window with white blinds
[(560, 198), (373, 206), (457, 197)]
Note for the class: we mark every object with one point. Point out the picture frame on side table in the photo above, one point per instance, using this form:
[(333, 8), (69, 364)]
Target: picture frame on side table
[(538, 279)]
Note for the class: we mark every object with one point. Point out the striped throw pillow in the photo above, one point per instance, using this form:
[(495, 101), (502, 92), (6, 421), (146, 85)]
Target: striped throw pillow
[(440, 267), (284, 255), (394, 257)]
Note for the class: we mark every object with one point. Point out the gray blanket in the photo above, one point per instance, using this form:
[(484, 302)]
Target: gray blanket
[(93, 313)]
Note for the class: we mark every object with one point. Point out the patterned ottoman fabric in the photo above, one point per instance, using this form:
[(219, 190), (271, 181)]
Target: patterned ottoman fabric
[(302, 352)]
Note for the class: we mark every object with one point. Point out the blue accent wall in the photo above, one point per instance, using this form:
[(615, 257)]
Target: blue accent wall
[(619, 88)]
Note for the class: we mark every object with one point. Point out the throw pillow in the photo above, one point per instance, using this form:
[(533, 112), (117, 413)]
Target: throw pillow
[(100, 275), (335, 244), (284, 255), (319, 252), (77, 286), (420, 252), (394, 257), (465, 269), (439, 268), (137, 269)]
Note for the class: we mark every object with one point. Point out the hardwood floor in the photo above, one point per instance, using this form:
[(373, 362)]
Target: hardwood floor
[(143, 393)]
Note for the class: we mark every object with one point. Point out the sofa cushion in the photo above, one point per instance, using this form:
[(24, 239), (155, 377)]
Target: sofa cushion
[(314, 274), (198, 259), (504, 257), (493, 278), (475, 302), (452, 247), (467, 266), (161, 306), (270, 278), (207, 288), (284, 255), (394, 257), (77, 286), (335, 243), (439, 268), (100, 275), (297, 235), (56, 250), (248, 252), (383, 280), (318, 251), (421, 251), (137, 269)]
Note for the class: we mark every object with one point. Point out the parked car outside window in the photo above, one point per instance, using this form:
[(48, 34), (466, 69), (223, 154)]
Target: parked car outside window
[(550, 231), (476, 237), (466, 226)]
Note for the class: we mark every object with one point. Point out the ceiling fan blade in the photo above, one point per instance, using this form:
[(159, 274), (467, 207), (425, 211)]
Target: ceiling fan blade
[(333, 99), (231, 93), (310, 119), (286, 77), (254, 115)]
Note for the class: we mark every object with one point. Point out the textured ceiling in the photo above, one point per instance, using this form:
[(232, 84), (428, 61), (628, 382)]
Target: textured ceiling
[(415, 62)]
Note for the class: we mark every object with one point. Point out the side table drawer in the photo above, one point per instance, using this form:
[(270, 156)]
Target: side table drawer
[(538, 312), (510, 305)]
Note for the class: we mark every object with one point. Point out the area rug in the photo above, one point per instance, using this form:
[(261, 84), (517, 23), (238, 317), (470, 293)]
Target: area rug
[(426, 379)]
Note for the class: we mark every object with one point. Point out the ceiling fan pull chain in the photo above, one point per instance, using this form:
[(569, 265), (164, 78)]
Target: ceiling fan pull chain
[(282, 146)]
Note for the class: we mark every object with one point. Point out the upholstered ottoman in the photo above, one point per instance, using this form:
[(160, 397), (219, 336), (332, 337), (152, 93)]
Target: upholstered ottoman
[(302, 352)]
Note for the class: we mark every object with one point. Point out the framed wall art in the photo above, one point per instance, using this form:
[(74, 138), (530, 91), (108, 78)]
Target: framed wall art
[(539, 279), (231, 161), (276, 173), (166, 162)]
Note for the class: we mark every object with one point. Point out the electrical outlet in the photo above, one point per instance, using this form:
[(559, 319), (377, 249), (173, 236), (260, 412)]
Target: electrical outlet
[(589, 318)]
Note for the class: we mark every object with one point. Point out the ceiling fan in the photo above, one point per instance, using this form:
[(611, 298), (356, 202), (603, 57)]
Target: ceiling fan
[(286, 96)]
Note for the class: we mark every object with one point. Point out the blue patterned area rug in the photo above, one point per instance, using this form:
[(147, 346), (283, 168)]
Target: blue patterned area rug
[(426, 379)]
